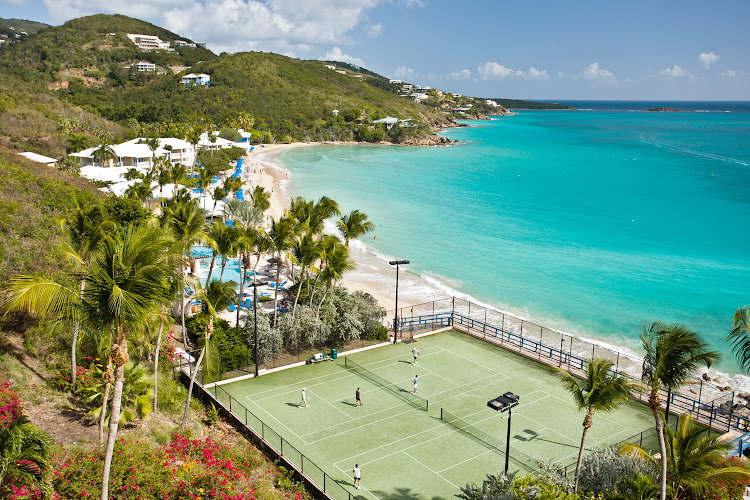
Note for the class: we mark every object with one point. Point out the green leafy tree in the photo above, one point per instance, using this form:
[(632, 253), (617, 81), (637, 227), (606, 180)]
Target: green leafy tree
[(75, 143), (602, 390), (636, 487), (186, 221), (306, 252), (337, 262), (739, 337), (26, 456), (104, 154), (137, 393), (260, 198), (354, 225), (693, 460), (281, 238), (673, 355)]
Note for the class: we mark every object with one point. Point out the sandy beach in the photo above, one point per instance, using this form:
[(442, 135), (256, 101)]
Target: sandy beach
[(260, 171)]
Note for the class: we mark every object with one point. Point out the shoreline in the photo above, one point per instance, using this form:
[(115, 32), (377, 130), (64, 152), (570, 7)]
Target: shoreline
[(370, 274)]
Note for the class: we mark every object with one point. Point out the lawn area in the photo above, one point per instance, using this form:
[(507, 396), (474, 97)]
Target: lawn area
[(405, 450)]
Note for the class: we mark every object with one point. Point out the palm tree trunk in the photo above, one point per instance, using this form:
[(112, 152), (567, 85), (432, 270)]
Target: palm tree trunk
[(243, 280), (314, 287), (328, 287), (108, 378), (299, 289), (190, 388), (182, 305), (73, 367), (211, 268), (655, 404), (120, 356), (223, 265), (156, 364), (586, 427)]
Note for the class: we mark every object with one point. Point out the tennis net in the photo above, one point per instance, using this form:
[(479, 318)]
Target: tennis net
[(519, 458), (409, 397)]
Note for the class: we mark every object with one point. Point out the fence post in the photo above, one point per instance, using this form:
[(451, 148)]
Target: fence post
[(562, 340), (570, 351), (453, 306), (731, 412), (617, 366), (469, 315), (541, 336), (502, 329)]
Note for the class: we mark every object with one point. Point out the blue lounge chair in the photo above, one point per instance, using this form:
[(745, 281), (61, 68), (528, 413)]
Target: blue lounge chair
[(231, 307)]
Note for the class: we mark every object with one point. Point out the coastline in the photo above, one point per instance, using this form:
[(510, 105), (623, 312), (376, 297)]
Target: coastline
[(372, 274)]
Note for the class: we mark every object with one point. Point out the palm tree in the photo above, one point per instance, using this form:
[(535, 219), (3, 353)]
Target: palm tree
[(281, 238), (225, 246), (26, 454), (179, 174), (323, 209), (693, 459), (214, 233), (84, 230), (153, 144), (260, 198), (104, 153), (219, 194), (337, 263), (354, 225), (141, 191), (636, 487), (739, 337), (673, 355), (208, 351), (232, 184), (601, 390), (186, 220), (242, 213), (126, 279), (326, 244), (75, 143), (306, 251), (193, 136)]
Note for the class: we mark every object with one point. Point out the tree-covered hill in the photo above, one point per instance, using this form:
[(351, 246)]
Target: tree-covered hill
[(282, 93), (95, 47), (12, 27)]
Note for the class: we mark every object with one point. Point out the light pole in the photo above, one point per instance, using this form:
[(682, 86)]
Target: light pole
[(255, 319), (395, 317), (504, 403)]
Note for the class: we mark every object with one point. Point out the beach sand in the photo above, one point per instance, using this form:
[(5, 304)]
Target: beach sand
[(261, 171)]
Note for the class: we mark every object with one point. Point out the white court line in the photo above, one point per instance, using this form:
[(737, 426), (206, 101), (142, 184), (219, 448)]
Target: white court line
[(334, 376), (467, 460), (280, 423), (436, 473), (435, 401), (360, 483), (332, 406)]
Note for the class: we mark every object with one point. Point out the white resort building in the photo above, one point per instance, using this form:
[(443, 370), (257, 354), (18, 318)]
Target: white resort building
[(149, 42), (134, 154), (193, 79)]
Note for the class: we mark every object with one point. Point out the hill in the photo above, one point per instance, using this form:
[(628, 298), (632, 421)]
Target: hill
[(13, 27), (95, 49)]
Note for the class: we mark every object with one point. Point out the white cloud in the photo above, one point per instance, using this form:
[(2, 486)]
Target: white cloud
[(375, 30), (730, 73), (463, 74), (708, 59), (336, 54), (493, 71), (535, 74), (594, 72), (675, 71), (281, 26), (560, 75), (403, 72)]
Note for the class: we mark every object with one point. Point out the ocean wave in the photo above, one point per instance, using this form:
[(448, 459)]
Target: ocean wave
[(702, 154)]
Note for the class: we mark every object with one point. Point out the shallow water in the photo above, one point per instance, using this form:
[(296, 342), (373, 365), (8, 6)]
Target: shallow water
[(591, 222)]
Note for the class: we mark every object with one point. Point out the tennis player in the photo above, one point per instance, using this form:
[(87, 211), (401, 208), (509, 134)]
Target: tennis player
[(416, 353), (357, 476), (416, 381), (358, 397), (304, 400)]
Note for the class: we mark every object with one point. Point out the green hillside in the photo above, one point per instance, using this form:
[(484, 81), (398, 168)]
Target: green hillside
[(95, 49), (12, 27)]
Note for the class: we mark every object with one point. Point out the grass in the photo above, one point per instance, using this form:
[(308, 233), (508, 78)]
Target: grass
[(402, 448)]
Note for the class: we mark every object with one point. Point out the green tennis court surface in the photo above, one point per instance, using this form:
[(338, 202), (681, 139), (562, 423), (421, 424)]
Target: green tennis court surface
[(403, 449)]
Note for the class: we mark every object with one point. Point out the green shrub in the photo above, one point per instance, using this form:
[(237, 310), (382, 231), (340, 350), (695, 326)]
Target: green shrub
[(212, 416)]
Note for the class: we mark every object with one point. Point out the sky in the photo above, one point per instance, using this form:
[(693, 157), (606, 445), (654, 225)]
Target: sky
[(530, 49)]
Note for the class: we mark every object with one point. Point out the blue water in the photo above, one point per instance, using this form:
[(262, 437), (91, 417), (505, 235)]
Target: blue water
[(591, 222)]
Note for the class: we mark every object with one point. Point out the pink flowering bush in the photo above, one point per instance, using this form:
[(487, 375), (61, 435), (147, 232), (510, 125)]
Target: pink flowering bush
[(10, 405), (185, 468)]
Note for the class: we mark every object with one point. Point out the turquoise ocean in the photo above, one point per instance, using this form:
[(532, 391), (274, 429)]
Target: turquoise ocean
[(591, 221)]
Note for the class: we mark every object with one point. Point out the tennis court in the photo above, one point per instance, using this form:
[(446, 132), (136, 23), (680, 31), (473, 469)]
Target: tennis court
[(400, 441)]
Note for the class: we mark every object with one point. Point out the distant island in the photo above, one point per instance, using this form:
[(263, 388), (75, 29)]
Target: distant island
[(520, 104), (666, 110)]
